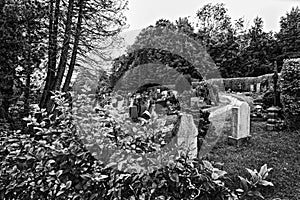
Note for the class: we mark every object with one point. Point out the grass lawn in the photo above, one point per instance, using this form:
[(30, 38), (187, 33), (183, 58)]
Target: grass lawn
[(279, 150)]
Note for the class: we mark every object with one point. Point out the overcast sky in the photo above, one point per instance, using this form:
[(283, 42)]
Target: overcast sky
[(143, 13)]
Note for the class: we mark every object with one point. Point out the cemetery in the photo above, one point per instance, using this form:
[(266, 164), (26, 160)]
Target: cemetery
[(192, 109)]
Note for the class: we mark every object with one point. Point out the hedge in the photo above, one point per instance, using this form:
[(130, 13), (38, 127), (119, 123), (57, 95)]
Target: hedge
[(233, 83), (290, 96)]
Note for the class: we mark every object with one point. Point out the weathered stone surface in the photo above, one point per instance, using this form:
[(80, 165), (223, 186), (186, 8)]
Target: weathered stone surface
[(252, 88), (258, 89), (240, 121), (187, 135)]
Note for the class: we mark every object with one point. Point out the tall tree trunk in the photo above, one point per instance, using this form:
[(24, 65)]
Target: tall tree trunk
[(66, 44), (27, 91), (75, 47), (28, 73), (52, 53)]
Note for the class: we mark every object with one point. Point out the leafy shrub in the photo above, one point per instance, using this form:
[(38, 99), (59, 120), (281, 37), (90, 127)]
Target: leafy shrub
[(268, 99), (290, 87), (234, 83), (207, 91), (50, 160), (47, 161)]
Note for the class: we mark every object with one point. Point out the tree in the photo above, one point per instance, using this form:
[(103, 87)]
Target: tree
[(237, 52), (214, 23), (221, 39), (21, 35), (169, 45), (87, 24), (33, 51), (9, 49), (259, 54), (289, 35), (185, 26)]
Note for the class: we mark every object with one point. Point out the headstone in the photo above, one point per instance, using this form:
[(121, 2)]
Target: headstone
[(133, 112), (120, 104), (212, 96), (252, 88), (187, 136), (195, 102), (114, 102), (240, 123), (258, 87)]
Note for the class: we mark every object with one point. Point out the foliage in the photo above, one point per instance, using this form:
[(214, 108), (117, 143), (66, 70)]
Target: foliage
[(207, 91), (259, 54), (241, 83), (168, 44), (268, 99), (288, 37), (214, 23), (237, 52), (47, 160), (22, 51), (89, 28), (204, 126), (290, 88)]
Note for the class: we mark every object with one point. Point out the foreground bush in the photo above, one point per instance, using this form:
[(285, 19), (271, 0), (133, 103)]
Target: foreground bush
[(49, 160), (290, 97)]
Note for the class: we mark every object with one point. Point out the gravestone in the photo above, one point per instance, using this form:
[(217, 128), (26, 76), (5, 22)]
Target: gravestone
[(121, 104), (252, 88), (213, 95), (133, 111), (258, 87), (240, 123), (195, 102), (187, 136)]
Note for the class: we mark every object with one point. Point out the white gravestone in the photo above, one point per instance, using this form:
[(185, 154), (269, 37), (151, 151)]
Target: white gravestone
[(258, 88), (187, 136), (251, 88), (240, 123)]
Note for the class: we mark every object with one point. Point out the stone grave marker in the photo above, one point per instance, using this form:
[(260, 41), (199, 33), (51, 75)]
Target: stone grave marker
[(187, 135), (252, 88), (195, 102), (258, 87), (121, 103), (240, 123)]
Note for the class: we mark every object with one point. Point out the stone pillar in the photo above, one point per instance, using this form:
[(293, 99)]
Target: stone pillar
[(274, 122)]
